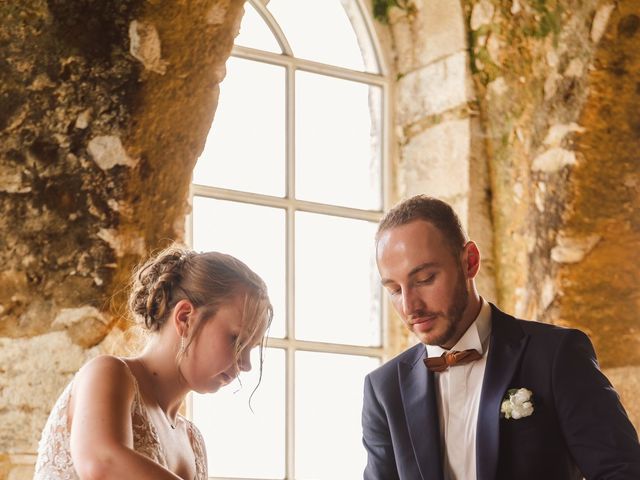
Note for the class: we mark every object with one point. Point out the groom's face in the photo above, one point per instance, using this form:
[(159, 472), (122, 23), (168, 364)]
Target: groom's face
[(425, 281)]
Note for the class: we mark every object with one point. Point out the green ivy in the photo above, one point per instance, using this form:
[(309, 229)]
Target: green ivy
[(480, 53), (381, 8), (549, 20)]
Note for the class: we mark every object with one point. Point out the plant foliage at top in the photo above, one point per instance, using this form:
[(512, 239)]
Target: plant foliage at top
[(381, 8)]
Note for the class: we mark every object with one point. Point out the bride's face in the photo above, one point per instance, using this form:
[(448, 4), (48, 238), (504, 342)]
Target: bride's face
[(210, 361)]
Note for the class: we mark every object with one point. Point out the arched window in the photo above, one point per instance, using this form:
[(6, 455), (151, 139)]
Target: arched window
[(291, 181)]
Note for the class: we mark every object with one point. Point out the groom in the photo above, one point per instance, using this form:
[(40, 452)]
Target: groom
[(484, 395)]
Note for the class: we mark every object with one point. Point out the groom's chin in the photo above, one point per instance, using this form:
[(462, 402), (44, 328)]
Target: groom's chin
[(426, 338), (434, 337)]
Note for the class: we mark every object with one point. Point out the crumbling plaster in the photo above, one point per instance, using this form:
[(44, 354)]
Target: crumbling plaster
[(558, 88), (104, 109)]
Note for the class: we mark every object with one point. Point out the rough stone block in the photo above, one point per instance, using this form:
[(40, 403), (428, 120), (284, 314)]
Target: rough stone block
[(434, 89), (573, 249), (437, 30), (482, 14), (144, 44), (600, 21), (444, 27), (36, 371), (436, 162), (553, 160)]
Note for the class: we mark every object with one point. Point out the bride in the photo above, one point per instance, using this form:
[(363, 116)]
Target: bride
[(118, 417)]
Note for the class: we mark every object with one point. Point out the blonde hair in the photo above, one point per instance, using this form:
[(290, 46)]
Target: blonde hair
[(207, 280)]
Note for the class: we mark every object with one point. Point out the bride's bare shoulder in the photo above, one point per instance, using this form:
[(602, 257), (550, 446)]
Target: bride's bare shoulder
[(106, 372)]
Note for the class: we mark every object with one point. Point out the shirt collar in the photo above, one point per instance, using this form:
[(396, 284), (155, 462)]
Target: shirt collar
[(476, 336)]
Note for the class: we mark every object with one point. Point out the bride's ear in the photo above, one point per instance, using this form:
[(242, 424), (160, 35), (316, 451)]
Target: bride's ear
[(182, 318)]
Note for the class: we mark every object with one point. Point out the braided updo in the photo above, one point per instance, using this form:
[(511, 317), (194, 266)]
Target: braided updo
[(154, 286), (206, 280)]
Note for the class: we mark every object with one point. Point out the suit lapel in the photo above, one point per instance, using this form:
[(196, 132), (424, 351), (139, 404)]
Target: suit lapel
[(507, 345), (421, 411)]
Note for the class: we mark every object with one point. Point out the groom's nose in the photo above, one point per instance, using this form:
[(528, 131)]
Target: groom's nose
[(410, 302)]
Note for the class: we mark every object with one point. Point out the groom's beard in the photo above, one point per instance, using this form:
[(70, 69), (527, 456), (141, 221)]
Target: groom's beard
[(454, 313)]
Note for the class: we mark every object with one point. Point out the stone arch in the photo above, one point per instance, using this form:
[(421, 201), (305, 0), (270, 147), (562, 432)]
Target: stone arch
[(104, 109)]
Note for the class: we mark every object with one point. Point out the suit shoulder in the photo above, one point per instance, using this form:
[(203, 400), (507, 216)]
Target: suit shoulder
[(549, 335), (533, 327), (542, 334)]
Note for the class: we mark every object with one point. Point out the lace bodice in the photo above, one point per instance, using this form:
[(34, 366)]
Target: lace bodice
[(54, 454)]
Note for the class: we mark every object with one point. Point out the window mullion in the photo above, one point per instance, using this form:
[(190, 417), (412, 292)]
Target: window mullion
[(278, 202), (290, 415), (290, 255), (249, 53), (311, 346), (291, 132), (367, 17), (290, 349), (273, 26)]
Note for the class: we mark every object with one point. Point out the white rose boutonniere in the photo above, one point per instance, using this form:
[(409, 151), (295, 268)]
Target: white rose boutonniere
[(517, 403)]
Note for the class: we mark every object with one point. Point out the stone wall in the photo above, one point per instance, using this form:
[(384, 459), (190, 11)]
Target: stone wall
[(524, 115), (437, 122), (104, 109), (440, 149), (521, 113), (558, 89)]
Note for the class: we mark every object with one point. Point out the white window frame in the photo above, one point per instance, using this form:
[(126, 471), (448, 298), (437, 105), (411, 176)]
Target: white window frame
[(291, 205)]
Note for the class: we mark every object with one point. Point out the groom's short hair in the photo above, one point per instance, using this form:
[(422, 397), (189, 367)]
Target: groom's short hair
[(430, 209)]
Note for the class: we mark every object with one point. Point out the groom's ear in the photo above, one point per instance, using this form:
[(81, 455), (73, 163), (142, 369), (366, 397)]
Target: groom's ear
[(470, 259)]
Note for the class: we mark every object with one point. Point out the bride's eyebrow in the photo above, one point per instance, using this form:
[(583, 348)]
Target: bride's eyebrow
[(257, 342)]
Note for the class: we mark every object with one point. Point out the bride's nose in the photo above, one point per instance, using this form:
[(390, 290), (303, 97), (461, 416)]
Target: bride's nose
[(244, 362)]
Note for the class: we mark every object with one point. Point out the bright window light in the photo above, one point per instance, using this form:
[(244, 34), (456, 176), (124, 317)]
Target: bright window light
[(236, 431), (291, 182), (245, 149)]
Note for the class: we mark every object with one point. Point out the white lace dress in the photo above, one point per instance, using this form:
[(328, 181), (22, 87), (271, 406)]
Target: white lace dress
[(54, 455)]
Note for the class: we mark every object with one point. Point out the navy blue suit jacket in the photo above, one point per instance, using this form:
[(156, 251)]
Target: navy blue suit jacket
[(578, 428)]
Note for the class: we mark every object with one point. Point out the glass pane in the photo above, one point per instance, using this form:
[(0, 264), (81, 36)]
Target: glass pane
[(338, 141), (345, 44), (245, 149), (255, 33), (232, 431), (328, 411), (337, 287), (252, 233)]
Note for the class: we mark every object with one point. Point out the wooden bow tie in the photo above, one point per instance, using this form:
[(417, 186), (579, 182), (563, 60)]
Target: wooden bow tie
[(449, 359)]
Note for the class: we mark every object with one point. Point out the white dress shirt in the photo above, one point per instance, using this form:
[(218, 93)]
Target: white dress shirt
[(458, 398)]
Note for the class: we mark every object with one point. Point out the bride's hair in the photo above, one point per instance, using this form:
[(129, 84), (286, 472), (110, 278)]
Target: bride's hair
[(207, 280)]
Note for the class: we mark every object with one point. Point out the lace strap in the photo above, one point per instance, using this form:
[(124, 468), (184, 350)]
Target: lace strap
[(199, 450), (137, 398)]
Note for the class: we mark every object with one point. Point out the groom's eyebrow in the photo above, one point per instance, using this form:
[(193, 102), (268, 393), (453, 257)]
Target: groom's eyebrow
[(422, 266), (414, 271)]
